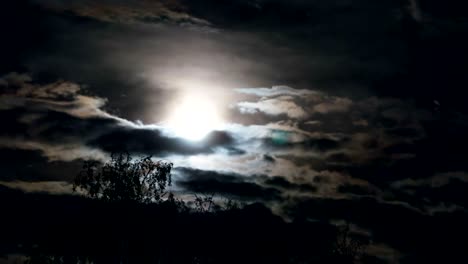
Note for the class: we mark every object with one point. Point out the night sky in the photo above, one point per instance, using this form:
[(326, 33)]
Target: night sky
[(333, 110)]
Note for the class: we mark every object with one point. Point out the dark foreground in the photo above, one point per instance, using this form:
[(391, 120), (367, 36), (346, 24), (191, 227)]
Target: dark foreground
[(72, 229)]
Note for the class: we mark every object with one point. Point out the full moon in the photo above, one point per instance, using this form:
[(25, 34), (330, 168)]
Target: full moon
[(193, 117)]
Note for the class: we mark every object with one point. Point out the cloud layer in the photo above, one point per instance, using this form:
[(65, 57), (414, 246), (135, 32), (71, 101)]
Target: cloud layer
[(334, 110)]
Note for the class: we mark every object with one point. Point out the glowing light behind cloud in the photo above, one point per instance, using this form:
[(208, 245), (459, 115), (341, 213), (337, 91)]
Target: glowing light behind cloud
[(193, 116)]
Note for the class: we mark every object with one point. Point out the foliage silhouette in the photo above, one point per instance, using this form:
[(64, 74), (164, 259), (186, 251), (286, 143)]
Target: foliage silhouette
[(124, 179), (347, 247), (145, 224), (205, 203)]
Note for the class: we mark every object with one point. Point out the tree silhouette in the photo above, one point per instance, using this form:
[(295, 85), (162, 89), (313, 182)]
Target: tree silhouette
[(124, 179), (204, 204), (348, 248)]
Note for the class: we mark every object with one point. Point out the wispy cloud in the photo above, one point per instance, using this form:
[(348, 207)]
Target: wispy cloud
[(128, 12), (50, 187), (64, 124)]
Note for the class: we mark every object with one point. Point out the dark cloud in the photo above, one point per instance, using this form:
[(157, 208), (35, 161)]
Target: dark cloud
[(234, 151), (224, 184), (451, 194), (127, 12), (281, 182), (45, 187), (355, 189), (65, 125), (153, 142), (258, 13), (339, 158), (27, 165), (440, 189), (403, 228), (268, 158), (281, 141)]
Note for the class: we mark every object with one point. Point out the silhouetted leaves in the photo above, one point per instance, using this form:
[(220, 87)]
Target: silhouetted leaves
[(125, 179), (347, 247), (142, 225)]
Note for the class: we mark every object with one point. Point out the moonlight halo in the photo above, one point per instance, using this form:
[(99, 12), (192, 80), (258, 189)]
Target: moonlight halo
[(193, 117)]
